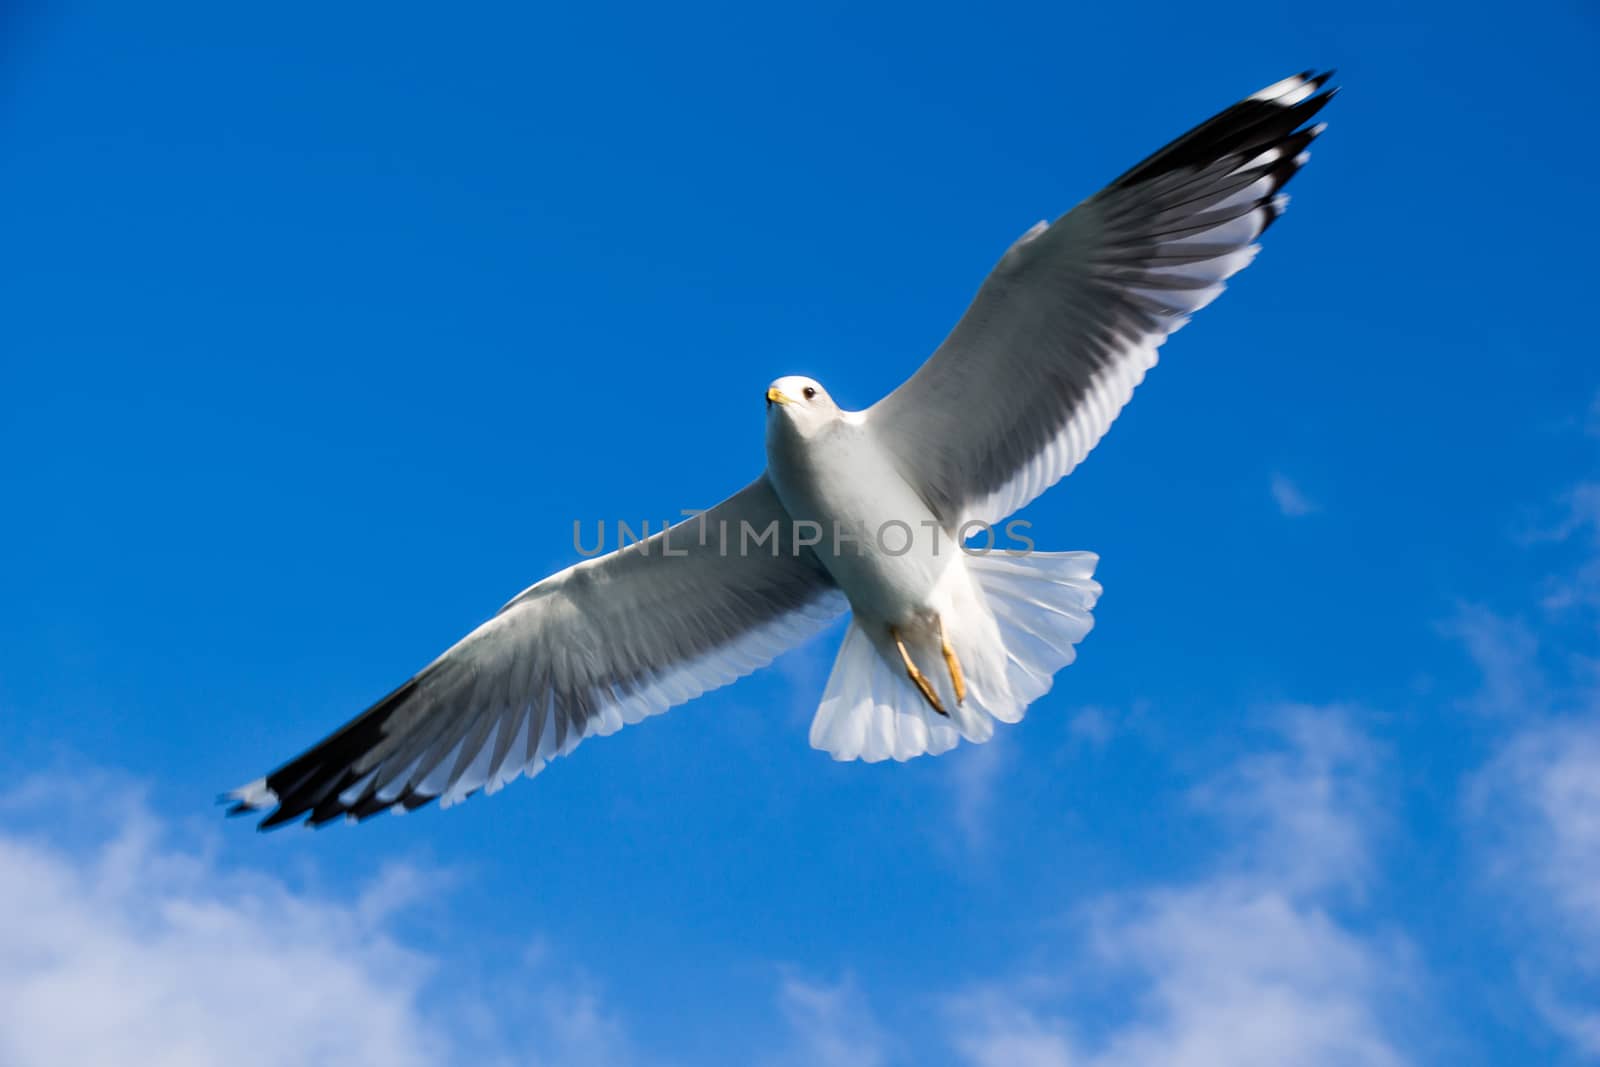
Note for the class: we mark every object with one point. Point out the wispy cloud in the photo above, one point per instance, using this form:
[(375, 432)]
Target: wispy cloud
[(1303, 815), (1243, 966), (830, 1025), (1506, 653), (1538, 804), (973, 777), (1580, 520), (1546, 786), (1092, 726), (1289, 497), (1535, 807), (124, 947)]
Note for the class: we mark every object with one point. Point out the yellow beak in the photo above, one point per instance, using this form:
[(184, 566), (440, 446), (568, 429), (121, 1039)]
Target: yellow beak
[(774, 396)]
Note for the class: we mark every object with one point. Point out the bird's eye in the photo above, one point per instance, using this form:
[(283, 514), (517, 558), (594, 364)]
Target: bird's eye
[(809, 393)]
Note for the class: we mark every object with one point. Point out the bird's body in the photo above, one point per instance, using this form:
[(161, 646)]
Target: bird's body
[(902, 571), (876, 536), (858, 511)]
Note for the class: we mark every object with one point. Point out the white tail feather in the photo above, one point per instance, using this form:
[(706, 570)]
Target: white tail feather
[(1041, 606)]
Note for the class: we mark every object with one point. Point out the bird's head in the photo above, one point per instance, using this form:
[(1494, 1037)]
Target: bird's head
[(801, 402)]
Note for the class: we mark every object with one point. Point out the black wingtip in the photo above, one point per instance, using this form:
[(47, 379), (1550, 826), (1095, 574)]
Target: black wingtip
[(1256, 123), (312, 784)]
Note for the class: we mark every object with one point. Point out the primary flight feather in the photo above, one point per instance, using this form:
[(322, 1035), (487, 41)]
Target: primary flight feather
[(941, 644)]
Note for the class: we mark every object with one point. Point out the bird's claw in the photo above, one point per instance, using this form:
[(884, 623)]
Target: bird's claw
[(916, 676), (958, 681)]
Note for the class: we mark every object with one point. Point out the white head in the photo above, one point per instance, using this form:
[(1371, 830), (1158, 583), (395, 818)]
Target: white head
[(801, 403)]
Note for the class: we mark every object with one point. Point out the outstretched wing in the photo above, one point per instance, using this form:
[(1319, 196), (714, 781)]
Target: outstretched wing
[(1069, 321), (599, 645)]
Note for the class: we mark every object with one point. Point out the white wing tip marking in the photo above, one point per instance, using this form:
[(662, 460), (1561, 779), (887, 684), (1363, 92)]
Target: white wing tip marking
[(256, 794), (1278, 88), (1286, 93), (1270, 156)]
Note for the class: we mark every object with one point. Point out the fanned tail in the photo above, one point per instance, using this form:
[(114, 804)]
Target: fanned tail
[(1042, 603), (1041, 607), (869, 712)]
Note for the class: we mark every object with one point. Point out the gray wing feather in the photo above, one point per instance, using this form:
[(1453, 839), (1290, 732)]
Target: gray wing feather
[(602, 644), (1069, 321)]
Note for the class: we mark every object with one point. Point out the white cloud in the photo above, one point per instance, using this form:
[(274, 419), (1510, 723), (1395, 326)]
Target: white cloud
[(997, 1027), (1303, 815), (1580, 517), (1535, 806), (1506, 653), (1539, 804), (1581, 507), (1291, 501), (1092, 726), (128, 948), (830, 1025), (973, 777), (1544, 787), (1242, 974), (1246, 965), (1577, 1022)]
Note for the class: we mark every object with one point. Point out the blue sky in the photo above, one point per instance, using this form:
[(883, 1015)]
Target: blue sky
[(323, 326)]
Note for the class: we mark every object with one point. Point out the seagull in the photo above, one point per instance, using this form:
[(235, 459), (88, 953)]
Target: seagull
[(871, 513)]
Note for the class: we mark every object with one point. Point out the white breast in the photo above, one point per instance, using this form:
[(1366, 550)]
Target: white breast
[(879, 540)]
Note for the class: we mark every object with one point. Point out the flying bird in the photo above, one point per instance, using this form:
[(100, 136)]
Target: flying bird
[(862, 512)]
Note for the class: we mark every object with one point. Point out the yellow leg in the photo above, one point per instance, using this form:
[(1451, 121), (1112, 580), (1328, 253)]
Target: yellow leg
[(916, 676), (957, 680)]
